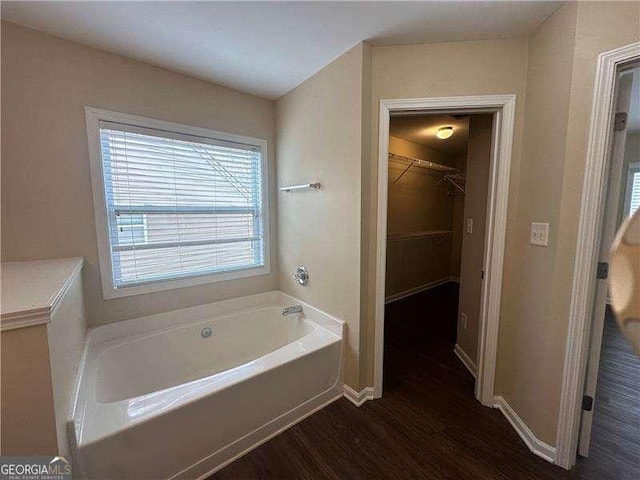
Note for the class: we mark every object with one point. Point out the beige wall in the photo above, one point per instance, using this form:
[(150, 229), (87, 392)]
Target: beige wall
[(438, 70), (526, 376), (320, 139), (28, 417), (458, 222), (475, 208), (563, 54), (455, 260), (601, 26), (46, 82), (367, 148), (417, 204)]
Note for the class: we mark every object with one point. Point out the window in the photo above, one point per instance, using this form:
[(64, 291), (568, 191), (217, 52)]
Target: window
[(175, 205), (632, 193)]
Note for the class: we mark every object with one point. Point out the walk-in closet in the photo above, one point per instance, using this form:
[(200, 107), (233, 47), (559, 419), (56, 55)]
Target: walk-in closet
[(437, 199)]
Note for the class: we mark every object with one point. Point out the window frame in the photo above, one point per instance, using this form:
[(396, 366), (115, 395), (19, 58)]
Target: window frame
[(93, 118)]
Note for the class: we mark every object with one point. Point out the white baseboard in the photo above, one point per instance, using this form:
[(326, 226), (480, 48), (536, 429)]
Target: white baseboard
[(358, 398), (418, 289), (536, 445), (466, 360)]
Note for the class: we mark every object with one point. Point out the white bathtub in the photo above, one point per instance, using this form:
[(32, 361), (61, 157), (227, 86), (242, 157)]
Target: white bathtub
[(154, 399)]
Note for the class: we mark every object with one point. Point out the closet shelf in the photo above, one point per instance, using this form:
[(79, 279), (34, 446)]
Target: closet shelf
[(417, 162), (417, 235), (410, 162)]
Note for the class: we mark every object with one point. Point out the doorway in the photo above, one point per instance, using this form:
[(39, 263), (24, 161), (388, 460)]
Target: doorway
[(610, 425), (588, 300), (436, 219), (502, 109)]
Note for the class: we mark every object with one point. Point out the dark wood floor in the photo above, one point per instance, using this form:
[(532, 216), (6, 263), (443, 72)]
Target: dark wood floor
[(428, 424), (615, 436)]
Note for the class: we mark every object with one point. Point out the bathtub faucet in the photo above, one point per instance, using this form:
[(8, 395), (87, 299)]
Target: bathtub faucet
[(292, 309)]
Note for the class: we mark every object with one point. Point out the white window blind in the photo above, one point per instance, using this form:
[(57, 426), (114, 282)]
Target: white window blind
[(634, 198), (179, 206)]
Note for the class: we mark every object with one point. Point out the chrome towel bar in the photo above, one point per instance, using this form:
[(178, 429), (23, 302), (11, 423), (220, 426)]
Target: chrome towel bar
[(315, 186)]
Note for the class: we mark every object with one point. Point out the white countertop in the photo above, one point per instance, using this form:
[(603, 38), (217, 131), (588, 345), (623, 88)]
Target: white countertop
[(30, 291)]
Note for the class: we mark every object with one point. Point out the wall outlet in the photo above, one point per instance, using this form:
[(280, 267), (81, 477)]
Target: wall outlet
[(539, 234), (469, 225), (463, 320)]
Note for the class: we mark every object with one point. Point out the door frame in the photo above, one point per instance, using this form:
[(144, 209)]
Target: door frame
[(587, 251), (612, 217), (503, 106)]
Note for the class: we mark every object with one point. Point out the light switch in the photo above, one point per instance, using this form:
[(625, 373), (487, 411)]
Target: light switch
[(539, 234), (469, 224)]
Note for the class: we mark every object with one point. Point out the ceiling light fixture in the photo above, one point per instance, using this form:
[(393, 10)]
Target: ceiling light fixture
[(444, 132)]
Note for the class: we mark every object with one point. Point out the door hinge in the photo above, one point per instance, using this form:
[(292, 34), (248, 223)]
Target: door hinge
[(587, 403), (620, 121), (603, 271), (482, 274)]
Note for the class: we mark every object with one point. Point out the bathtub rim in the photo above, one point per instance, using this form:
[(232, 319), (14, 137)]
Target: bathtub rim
[(183, 316)]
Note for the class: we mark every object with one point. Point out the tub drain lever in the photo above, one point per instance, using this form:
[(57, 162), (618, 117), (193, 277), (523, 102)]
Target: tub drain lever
[(206, 332)]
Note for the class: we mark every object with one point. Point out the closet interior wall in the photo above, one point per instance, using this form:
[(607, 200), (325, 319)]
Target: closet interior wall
[(472, 254), (424, 222)]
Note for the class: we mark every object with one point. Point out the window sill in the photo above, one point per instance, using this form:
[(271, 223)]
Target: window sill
[(109, 292)]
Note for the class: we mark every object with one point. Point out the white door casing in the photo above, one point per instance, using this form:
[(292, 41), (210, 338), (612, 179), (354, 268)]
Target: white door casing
[(503, 107)]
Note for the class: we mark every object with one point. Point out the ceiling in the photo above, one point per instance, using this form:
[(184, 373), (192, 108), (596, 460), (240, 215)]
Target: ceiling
[(422, 129), (268, 48)]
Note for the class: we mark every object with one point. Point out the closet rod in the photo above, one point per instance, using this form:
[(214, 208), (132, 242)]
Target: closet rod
[(417, 235)]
